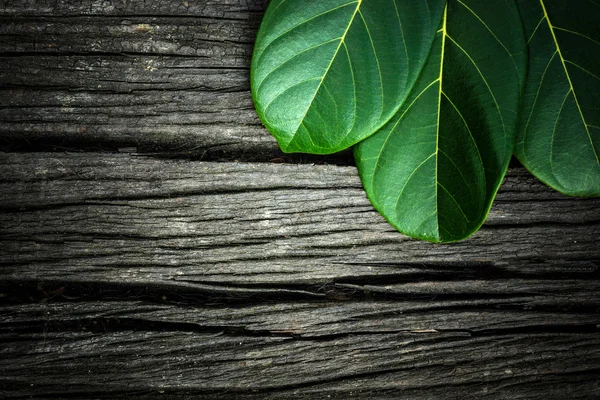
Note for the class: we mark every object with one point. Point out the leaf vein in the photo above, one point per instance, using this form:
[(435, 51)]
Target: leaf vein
[(494, 35), (537, 94), (484, 81), (350, 23), (562, 59), (468, 130), (259, 86), (437, 133), (266, 46), (581, 68), (456, 166), (535, 30), (376, 62), (410, 177), (332, 99), (402, 31), (576, 33), (455, 202), (354, 93), (286, 90), (554, 129), (377, 165)]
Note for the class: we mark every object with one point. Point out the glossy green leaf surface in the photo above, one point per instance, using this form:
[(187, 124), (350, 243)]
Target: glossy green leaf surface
[(433, 170), (559, 134), (326, 74)]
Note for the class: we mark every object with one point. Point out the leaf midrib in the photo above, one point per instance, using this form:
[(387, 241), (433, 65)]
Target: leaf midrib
[(273, 40), (437, 133), (337, 50), (572, 89)]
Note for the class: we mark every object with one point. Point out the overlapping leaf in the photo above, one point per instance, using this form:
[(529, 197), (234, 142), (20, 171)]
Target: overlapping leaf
[(434, 169), (559, 136), (328, 73)]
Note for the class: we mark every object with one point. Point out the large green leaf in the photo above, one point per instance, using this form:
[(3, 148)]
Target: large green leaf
[(328, 73), (559, 137), (434, 169)]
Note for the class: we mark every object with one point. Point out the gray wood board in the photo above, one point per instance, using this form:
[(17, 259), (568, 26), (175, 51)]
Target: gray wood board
[(130, 276), (296, 350), (225, 9), (116, 217), (153, 75)]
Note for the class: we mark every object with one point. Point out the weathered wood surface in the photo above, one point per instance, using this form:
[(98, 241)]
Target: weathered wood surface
[(451, 365), (158, 75), (118, 217), (273, 280), (125, 275)]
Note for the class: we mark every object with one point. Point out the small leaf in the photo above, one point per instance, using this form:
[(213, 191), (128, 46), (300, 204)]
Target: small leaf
[(559, 137), (328, 73), (434, 169)]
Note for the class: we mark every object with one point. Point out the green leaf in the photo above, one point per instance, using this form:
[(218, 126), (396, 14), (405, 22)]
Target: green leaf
[(328, 73), (559, 137), (434, 169)]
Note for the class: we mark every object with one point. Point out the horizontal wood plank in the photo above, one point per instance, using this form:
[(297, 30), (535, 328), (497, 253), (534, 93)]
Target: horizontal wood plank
[(297, 350), (299, 319), (424, 365), (217, 226), (230, 9), (227, 42), (158, 76)]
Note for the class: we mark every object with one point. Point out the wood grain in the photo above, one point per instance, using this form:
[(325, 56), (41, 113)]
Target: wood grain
[(152, 75), (226, 9), (118, 217), (258, 280), (209, 365)]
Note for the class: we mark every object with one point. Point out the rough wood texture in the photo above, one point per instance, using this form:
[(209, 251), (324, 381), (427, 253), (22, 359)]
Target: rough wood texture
[(125, 276), (103, 75), (208, 365), (449, 365), (273, 280), (232, 9), (205, 222)]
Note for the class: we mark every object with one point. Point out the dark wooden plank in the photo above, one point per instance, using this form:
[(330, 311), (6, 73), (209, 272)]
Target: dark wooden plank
[(227, 42), (428, 349), (253, 228), (449, 365), (281, 281), (146, 102), (298, 319), (230, 9), (154, 75)]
